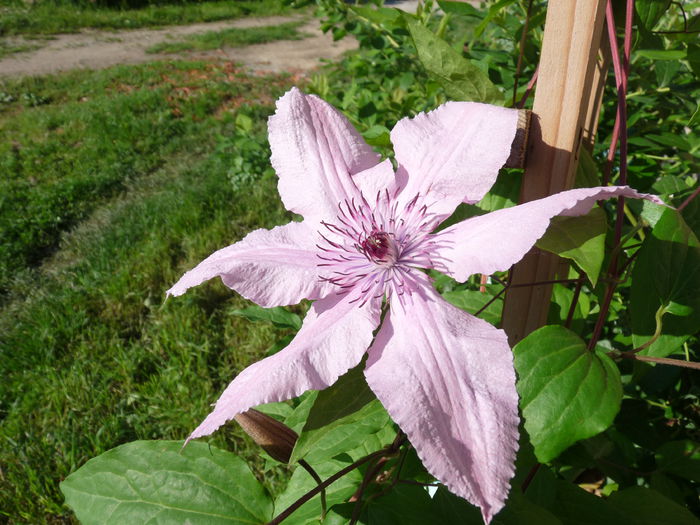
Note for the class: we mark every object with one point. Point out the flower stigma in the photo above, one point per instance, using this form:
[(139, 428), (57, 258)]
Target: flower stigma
[(377, 249)]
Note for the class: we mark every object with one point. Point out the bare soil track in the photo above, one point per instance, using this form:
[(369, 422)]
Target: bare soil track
[(99, 49)]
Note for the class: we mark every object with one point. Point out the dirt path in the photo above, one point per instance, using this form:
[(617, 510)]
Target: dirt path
[(100, 49)]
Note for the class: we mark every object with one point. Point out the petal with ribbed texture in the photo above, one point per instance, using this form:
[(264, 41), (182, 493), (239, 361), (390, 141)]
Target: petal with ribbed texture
[(453, 153), (335, 334), (270, 267), (315, 152), (447, 379), (497, 240)]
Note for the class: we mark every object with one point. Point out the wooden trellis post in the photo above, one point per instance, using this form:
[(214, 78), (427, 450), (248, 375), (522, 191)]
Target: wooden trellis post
[(565, 114)]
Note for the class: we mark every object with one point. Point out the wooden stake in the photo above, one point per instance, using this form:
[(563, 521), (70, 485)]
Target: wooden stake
[(563, 110)]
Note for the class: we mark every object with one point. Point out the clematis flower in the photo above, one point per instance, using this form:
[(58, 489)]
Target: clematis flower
[(445, 377)]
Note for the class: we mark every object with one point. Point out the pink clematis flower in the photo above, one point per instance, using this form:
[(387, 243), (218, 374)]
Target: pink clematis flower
[(445, 377)]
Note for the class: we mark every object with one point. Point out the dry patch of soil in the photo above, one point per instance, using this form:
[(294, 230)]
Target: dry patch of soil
[(100, 49)]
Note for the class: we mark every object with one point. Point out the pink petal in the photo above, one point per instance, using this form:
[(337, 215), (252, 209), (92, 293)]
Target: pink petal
[(453, 154), (271, 267), (447, 379), (333, 338), (497, 240), (376, 180), (315, 150)]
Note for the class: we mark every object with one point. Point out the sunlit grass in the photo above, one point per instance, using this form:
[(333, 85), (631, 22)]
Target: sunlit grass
[(50, 17), (233, 37), (90, 354)]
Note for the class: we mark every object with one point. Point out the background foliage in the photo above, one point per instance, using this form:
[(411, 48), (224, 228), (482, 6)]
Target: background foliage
[(93, 360)]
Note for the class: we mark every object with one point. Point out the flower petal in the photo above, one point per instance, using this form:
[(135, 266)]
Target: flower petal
[(315, 150), (376, 180), (453, 153), (447, 379), (271, 267), (497, 240), (335, 334)]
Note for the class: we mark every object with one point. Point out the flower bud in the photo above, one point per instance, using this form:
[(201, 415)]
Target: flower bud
[(275, 438)]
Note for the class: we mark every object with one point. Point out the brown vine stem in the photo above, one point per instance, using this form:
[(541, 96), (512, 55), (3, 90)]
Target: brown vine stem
[(322, 486), (318, 480), (530, 476), (659, 360), (530, 87), (689, 199), (390, 449)]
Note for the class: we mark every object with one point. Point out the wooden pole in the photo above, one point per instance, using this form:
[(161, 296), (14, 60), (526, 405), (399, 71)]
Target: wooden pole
[(563, 112)]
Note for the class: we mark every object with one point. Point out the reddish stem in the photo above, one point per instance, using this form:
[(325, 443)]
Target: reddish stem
[(621, 75), (528, 90), (689, 199)]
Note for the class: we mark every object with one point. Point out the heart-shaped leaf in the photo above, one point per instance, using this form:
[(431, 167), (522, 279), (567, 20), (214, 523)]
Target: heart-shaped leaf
[(567, 393), (160, 482)]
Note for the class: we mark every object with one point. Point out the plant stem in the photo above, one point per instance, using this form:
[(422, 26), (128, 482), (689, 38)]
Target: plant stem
[(530, 477), (521, 51), (318, 480), (621, 74), (322, 486), (659, 360), (689, 199)]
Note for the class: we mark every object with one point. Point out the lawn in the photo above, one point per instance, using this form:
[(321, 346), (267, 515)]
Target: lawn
[(235, 37), (50, 16), (118, 181)]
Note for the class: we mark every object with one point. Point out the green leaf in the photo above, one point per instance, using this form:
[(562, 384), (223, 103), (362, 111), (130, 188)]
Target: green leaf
[(160, 482), (504, 193), (518, 510), (681, 458), (472, 301), (574, 506), (567, 393), (666, 274), (377, 136), (587, 173), (301, 482), (581, 239), (388, 18), (650, 11), (695, 118), (643, 506), (662, 54), (460, 8), (461, 79), (277, 316), (403, 505), (345, 417)]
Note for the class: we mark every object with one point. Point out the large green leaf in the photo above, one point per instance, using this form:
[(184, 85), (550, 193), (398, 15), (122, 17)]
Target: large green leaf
[(461, 79), (581, 239), (643, 506), (681, 458), (401, 505), (567, 393), (453, 510), (160, 482), (345, 417), (666, 275)]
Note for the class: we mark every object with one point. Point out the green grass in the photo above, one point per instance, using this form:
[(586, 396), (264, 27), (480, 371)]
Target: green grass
[(10, 48), (233, 37), (145, 173), (49, 17)]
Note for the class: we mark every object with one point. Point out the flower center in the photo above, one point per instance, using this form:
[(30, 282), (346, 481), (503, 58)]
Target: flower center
[(380, 248)]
